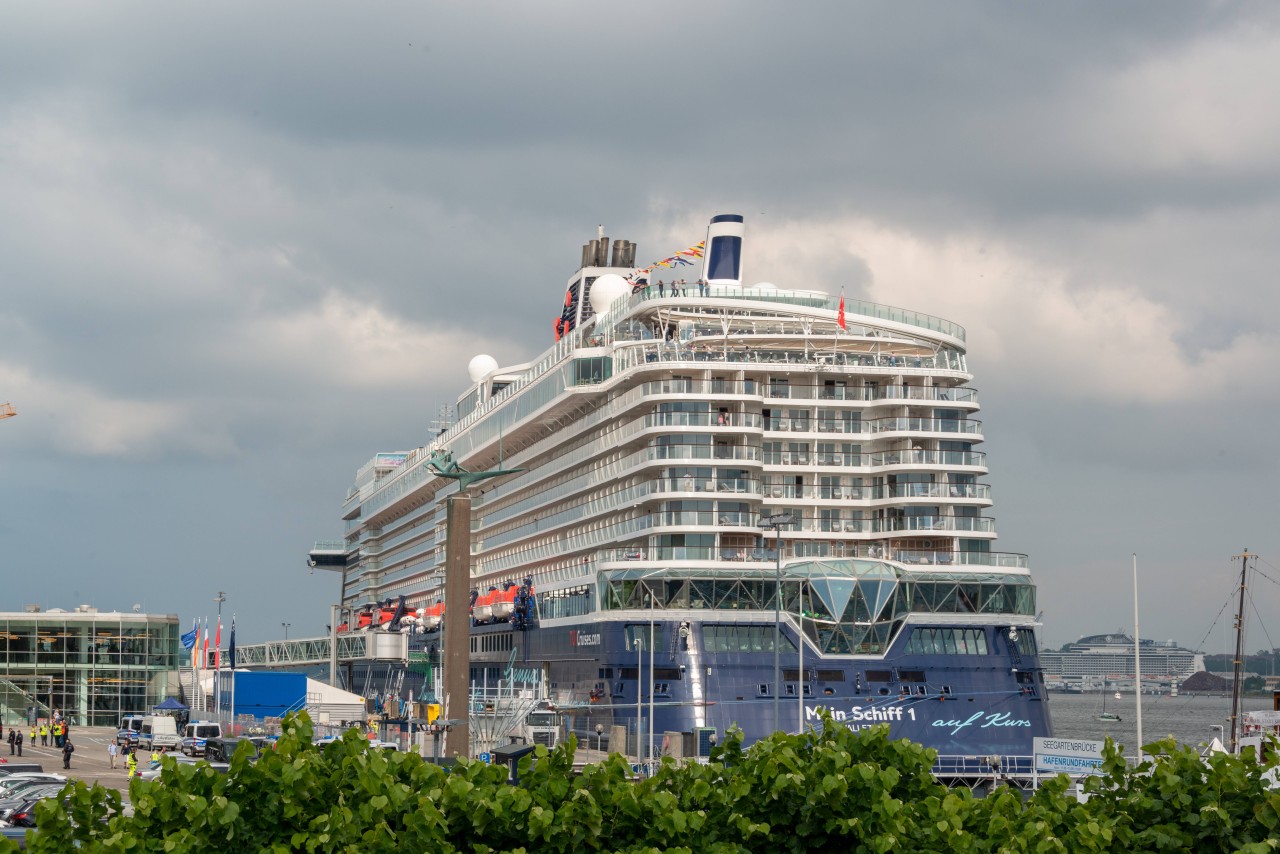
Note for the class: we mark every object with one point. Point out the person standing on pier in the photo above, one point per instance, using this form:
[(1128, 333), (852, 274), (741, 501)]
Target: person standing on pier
[(67, 749), (13, 736), (112, 750), (18, 735)]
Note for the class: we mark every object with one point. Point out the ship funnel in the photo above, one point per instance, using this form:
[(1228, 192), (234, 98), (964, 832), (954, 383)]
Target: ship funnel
[(602, 252), (619, 253), (588, 253), (722, 261)]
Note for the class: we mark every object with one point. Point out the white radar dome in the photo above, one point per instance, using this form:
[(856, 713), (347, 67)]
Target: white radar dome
[(481, 366), (606, 290)]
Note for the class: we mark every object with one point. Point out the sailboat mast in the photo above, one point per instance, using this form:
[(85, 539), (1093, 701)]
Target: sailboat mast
[(1237, 663), (1137, 656)]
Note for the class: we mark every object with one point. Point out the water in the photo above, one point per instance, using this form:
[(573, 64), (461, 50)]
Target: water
[(1188, 719)]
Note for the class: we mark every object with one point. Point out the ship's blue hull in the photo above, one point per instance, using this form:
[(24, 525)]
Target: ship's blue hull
[(603, 673)]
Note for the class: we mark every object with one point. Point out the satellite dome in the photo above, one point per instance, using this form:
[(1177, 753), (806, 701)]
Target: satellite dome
[(606, 290), (481, 366)]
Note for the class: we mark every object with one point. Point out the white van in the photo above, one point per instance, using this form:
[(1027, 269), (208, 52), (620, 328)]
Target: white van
[(196, 733), (158, 731)]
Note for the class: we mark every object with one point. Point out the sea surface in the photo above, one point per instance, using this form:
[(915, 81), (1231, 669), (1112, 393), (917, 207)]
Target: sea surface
[(1189, 719)]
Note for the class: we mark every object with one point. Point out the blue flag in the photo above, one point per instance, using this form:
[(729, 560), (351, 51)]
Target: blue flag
[(189, 639)]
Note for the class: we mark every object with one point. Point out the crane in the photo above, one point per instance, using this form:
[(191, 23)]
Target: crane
[(7, 411)]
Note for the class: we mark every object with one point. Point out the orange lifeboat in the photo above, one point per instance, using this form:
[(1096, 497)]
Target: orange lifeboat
[(432, 616), (483, 609), (503, 603)]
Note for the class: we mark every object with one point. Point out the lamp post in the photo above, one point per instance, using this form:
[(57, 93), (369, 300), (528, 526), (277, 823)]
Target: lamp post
[(286, 629), (776, 521), (217, 672), (599, 736)]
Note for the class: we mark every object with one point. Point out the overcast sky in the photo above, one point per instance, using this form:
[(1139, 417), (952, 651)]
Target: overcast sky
[(245, 246)]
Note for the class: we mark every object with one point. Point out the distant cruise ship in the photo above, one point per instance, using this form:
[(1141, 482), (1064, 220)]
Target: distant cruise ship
[(665, 425), (1094, 658)]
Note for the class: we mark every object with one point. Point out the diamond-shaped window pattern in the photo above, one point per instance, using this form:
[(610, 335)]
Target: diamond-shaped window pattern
[(851, 606)]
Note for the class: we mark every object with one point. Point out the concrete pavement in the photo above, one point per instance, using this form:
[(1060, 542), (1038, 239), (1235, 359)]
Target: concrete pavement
[(89, 763)]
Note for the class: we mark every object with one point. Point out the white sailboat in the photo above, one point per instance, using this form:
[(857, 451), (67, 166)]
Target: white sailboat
[(1104, 715)]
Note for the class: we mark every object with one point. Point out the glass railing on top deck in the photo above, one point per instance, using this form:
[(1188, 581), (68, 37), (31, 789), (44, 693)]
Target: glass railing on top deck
[(853, 308)]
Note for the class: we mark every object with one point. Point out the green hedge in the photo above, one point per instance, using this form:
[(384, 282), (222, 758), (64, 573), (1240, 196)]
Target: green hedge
[(830, 790)]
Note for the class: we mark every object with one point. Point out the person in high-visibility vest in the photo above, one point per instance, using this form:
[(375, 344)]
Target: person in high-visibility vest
[(155, 755), (132, 764)]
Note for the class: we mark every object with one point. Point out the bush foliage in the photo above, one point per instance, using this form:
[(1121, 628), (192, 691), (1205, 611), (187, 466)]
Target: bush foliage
[(827, 790)]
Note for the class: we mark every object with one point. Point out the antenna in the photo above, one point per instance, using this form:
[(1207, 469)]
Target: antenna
[(446, 419)]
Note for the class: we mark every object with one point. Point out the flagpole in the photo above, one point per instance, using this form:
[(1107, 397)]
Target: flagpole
[(233, 671)]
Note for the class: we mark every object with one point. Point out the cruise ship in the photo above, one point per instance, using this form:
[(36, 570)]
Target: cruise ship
[(1109, 658), (726, 504)]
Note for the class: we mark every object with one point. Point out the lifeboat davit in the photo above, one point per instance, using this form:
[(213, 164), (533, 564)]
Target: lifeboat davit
[(503, 603)]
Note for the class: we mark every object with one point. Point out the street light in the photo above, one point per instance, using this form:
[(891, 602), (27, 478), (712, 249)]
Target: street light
[(217, 672), (286, 629), (599, 736), (776, 521)]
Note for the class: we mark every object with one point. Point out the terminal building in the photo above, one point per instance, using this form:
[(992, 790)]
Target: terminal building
[(92, 666), (1099, 657)]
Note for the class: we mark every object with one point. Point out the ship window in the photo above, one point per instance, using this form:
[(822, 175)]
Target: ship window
[(946, 642), (668, 673), (762, 689), (1026, 642), (661, 689), (742, 639), (830, 675), (593, 370), (879, 676), (911, 675)]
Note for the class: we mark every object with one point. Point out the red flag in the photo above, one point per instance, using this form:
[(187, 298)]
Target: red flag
[(840, 314), (217, 643), (204, 662)]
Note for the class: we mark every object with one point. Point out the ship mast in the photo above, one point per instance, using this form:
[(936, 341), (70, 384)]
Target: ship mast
[(1238, 662)]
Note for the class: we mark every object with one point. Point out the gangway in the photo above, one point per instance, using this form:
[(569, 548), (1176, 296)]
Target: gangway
[(353, 647)]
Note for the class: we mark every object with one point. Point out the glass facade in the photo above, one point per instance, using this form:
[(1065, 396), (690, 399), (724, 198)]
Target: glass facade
[(92, 666)]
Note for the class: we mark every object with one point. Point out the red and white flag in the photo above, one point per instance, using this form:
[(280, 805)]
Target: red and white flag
[(840, 313), (204, 659), (217, 643)]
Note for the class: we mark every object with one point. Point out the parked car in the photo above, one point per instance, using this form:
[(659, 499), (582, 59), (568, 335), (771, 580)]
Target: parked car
[(25, 814), (196, 734), (38, 791), (127, 732), (221, 749), (14, 783), (158, 731)]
